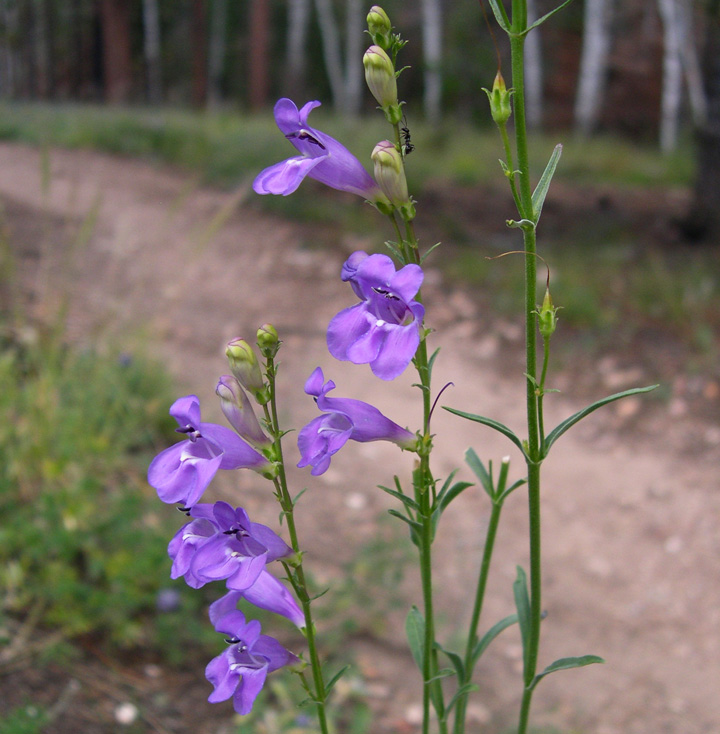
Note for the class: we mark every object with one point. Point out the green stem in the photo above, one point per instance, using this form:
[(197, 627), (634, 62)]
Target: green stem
[(517, 41), (541, 391), (295, 572), (461, 706)]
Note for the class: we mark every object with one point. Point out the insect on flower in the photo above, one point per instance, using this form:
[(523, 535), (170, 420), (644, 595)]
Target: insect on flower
[(305, 135), (407, 146)]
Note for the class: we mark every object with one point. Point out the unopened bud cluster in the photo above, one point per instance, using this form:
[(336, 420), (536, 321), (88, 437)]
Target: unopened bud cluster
[(499, 98)]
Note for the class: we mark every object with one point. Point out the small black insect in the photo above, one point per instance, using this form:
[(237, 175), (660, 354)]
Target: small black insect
[(387, 294), (305, 135), (408, 147)]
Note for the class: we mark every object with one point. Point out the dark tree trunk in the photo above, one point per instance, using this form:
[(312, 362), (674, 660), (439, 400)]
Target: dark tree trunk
[(117, 60), (703, 221), (259, 53), (199, 53)]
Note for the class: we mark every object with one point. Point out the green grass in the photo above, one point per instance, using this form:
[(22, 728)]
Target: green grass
[(225, 148), (83, 547)]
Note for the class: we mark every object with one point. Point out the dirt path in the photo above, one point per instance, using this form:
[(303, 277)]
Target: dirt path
[(632, 547)]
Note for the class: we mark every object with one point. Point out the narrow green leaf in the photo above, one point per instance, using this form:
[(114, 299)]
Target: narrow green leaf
[(460, 693), (546, 16), (456, 661), (415, 631), (510, 489), (424, 257), (573, 419), (335, 679), (491, 634), (522, 603), (566, 664), (479, 470), (538, 197), (392, 246), (500, 15), (431, 361), (496, 425), (446, 484), (405, 499), (451, 494), (295, 499), (413, 525)]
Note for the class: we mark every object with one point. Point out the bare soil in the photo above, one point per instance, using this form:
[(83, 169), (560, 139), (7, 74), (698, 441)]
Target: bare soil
[(149, 259)]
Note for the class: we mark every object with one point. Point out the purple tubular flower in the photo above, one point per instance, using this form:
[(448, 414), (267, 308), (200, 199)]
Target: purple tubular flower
[(343, 419), (240, 671), (266, 593), (222, 544), (322, 158), (384, 328), (182, 472)]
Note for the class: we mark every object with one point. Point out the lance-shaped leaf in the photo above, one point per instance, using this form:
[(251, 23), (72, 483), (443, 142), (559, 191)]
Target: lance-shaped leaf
[(491, 634), (540, 21), (500, 15), (566, 664), (496, 425), (479, 470), (538, 196), (573, 419), (522, 603), (415, 631)]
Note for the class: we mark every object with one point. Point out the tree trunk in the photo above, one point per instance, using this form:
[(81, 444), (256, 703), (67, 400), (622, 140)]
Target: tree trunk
[(593, 64), (296, 56), (672, 76), (199, 53), (216, 53), (331, 51), (533, 71), (9, 60), (117, 62), (354, 74), (703, 220), (151, 42), (42, 49), (259, 53), (432, 58)]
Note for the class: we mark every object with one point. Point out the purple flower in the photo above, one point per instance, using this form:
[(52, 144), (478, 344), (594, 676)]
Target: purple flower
[(384, 328), (182, 472), (322, 158), (222, 544), (266, 593), (241, 670), (343, 419)]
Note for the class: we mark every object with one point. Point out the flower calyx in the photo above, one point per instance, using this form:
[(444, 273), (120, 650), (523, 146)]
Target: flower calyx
[(499, 97)]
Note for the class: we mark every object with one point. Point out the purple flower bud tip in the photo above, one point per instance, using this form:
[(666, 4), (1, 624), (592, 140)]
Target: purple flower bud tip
[(383, 330), (321, 157), (343, 419)]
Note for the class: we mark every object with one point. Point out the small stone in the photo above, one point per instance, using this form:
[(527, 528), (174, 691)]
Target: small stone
[(355, 501), (414, 714), (674, 544), (126, 713)]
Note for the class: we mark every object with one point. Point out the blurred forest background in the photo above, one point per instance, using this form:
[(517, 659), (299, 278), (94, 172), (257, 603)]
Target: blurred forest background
[(647, 70)]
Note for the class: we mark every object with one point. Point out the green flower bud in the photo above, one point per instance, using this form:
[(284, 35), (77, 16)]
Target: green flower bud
[(381, 80), (500, 108), (547, 317), (245, 367), (267, 340), (379, 27), (390, 173)]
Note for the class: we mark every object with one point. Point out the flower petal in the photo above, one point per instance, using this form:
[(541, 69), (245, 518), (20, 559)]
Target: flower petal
[(247, 691), (284, 178)]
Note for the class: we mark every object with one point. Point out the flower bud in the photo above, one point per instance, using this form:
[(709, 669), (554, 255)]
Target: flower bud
[(500, 108), (381, 80), (379, 27), (238, 410), (547, 316), (267, 340), (390, 175), (245, 367)]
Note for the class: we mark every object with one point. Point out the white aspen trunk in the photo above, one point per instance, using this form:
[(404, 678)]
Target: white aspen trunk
[(533, 71), (353, 68), (672, 76), (296, 55), (331, 51), (432, 57), (151, 44), (216, 52), (593, 64)]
